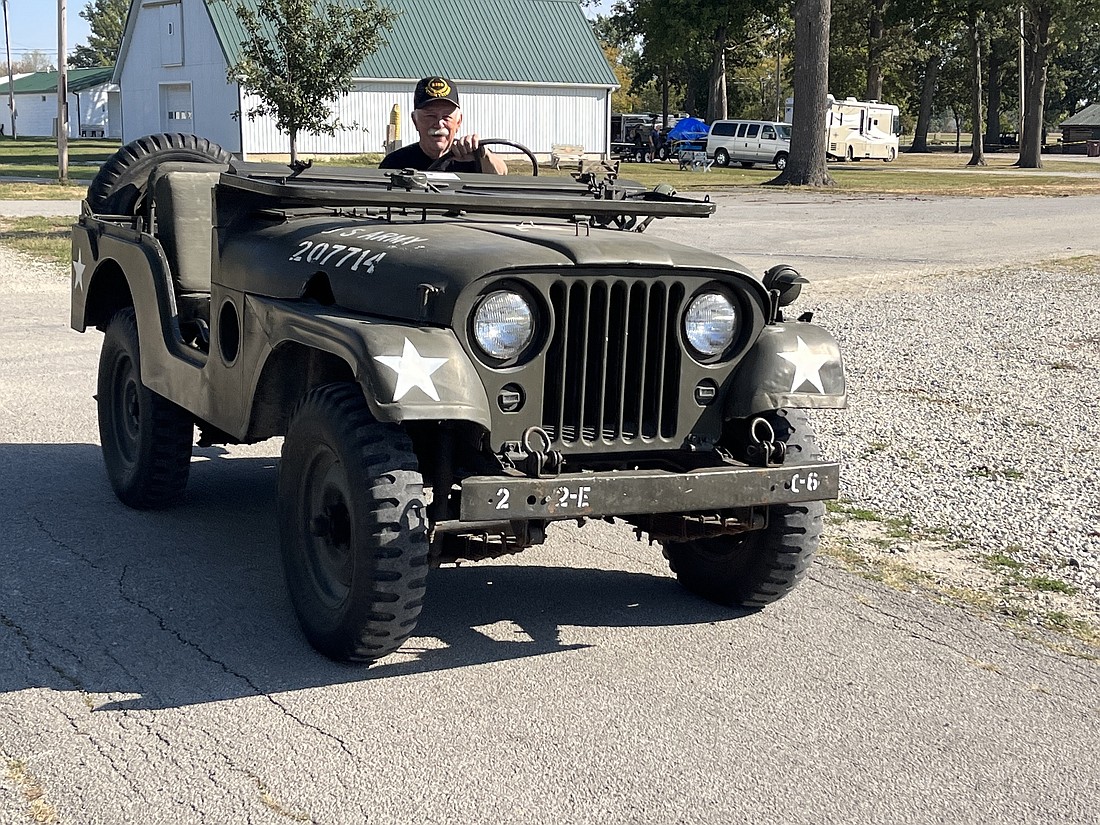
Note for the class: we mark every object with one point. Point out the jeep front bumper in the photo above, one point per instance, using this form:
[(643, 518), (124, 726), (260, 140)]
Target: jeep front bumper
[(576, 495)]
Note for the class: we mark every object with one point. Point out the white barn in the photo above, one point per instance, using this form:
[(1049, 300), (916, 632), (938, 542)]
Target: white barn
[(527, 70), (94, 106)]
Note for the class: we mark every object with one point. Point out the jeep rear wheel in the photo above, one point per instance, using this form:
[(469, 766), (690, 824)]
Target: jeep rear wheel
[(353, 526), (757, 568), (146, 438), (119, 186)]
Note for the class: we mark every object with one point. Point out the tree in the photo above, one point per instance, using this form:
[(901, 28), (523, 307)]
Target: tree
[(806, 164), (107, 21), (299, 58), (33, 61), (977, 149)]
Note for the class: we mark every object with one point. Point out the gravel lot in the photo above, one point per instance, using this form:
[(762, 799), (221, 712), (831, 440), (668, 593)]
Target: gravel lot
[(970, 445)]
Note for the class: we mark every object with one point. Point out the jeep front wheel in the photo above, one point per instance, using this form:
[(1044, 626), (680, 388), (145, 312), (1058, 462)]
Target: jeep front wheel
[(754, 569), (353, 526), (146, 439)]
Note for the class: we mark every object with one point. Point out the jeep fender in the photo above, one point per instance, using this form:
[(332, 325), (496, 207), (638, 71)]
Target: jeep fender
[(407, 373), (794, 364)]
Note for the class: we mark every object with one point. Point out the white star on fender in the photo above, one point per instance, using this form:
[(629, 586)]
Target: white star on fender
[(413, 370), (807, 366), (78, 271)]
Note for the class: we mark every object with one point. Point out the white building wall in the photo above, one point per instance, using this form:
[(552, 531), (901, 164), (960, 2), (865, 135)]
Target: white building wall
[(35, 114), (143, 73), (92, 114), (536, 116)]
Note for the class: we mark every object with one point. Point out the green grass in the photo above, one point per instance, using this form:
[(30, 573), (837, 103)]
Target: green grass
[(46, 238), (935, 173), (999, 560), (1043, 584), (37, 158)]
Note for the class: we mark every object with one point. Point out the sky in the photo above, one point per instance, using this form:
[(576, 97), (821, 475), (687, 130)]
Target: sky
[(33, 25)]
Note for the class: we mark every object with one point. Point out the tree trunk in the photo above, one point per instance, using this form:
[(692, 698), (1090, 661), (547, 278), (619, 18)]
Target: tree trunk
[(1037, 45), (293, 146), (977, 152), (955, 113), (927, 95), (806, 164), (717, 108), (874, 50), (993, 101)]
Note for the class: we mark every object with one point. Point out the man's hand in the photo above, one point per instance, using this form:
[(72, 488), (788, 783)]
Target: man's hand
[(468, 147)]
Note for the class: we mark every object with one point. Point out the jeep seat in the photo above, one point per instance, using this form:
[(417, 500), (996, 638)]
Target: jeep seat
[(183, 195)]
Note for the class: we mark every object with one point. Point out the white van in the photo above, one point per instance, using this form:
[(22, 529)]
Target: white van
[(748, 142)]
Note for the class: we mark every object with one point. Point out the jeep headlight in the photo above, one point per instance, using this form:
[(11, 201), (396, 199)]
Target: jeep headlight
[(503, 324), (710, 324)]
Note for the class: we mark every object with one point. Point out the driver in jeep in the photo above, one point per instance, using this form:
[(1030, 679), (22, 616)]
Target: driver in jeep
[(437, 116)]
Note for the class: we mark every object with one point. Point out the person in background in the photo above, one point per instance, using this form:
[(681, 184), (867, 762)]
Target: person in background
[(437, 116)]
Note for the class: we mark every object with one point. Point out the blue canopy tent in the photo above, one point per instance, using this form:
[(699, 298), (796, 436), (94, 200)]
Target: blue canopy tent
[(689, 135), (690, 128)]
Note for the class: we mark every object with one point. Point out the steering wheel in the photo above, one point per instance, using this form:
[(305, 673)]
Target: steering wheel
[(446, 161)]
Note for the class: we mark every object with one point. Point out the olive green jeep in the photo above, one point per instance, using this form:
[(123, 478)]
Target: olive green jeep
[(454, 362)]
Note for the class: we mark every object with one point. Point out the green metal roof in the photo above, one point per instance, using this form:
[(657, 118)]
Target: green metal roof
[(1089, 116), (46, 82), (512, 41)]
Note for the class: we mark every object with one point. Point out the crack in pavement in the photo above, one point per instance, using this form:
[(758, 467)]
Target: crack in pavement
[(902, 624), (195, 646)]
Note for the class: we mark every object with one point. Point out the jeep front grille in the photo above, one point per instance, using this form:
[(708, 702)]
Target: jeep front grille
[(613, 366)]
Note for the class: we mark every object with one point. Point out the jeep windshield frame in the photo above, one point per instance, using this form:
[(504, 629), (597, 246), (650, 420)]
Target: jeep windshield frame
[(589, 196)]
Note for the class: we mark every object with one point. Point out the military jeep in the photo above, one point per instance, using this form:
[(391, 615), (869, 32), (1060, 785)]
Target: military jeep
[(454, 361)]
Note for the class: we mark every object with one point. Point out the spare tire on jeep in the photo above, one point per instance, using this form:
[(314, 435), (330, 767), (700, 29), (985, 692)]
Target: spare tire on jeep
[(119, 186)]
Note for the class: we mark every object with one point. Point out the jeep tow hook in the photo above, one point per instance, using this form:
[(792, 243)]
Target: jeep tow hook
[(764, 449), (538, 463)]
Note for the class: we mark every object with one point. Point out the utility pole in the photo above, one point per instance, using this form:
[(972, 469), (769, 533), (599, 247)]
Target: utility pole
[(11, 82), (1023, 90), (778, 72), (62, 97)]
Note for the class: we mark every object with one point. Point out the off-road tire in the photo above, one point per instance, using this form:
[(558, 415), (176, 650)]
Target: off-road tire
[(752, 570), (721, 157), (119, 186), (353, 526), (146, 438)]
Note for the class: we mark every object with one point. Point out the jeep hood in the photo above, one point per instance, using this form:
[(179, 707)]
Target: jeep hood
[(383, 268)]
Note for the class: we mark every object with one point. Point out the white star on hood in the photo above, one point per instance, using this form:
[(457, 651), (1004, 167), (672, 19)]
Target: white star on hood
[(78, 271), (413, 370), (807, 365)]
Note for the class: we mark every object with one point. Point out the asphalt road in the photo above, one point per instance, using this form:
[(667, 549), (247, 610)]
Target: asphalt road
[(833, 236), (152, 671)]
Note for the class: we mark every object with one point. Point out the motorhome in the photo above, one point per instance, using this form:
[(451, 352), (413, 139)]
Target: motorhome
[(861, 129)]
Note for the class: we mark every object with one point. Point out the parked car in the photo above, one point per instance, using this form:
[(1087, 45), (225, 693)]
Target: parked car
[(749, 142)]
